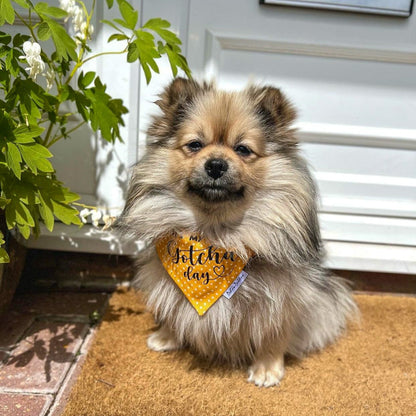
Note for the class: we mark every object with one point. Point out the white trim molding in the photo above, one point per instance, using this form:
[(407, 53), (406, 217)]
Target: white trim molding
[(87, 239), (367, 136), (312, 49), (371, 257)]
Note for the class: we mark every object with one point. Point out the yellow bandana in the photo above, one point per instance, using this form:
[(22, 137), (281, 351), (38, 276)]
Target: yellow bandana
[(201, 271)]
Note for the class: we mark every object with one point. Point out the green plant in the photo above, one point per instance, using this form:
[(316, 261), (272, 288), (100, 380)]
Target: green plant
[(31, 115)]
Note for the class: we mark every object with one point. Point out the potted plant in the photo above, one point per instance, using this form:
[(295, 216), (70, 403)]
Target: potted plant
[(35, 87)]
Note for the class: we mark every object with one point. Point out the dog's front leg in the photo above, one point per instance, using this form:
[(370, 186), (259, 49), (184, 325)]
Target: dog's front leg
[(163, 340), (267, 369)]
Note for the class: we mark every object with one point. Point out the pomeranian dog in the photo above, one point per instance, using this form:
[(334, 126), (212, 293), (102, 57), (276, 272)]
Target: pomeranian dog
[(223, 198)]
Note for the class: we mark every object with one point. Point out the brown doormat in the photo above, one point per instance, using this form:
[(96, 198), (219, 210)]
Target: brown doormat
[(370, 371)]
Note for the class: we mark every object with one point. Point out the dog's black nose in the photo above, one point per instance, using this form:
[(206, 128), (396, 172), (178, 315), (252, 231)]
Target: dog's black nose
[(216, 167)]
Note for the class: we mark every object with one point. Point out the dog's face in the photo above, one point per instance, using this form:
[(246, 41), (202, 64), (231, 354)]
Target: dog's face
[(219, 142), (218, 151)]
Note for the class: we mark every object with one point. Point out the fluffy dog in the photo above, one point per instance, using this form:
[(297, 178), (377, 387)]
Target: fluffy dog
[(225, 166)]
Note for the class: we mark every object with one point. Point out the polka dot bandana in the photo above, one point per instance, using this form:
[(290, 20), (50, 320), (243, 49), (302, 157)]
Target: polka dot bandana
[(203, 272)]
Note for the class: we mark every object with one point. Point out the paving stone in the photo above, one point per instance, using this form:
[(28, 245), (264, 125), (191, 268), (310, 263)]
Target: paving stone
[(12, 404), (62, 397), (42, 358), (60, 303)]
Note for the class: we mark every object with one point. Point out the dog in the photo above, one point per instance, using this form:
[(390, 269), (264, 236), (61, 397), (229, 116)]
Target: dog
[(222, 186)]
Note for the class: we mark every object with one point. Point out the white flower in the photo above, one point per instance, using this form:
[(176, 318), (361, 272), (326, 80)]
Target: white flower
[(84, 214), (32, 52), (83, 29), (50, 78), (95, 217), (32, 49), (79, 23), (68, 6), (77, 18)]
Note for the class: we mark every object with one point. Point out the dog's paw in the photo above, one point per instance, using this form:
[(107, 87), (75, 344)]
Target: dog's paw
[(266, 372), (162, 340)]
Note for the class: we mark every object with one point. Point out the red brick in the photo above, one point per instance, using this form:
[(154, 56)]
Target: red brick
[(42, 358), (12, 404), (12, 328), (60, 303)]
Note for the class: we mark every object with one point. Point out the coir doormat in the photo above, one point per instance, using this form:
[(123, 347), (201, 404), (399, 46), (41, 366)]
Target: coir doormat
[(370, 371)]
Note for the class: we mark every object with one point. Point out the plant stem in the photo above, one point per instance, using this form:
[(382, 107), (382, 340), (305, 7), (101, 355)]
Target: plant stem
[(82, 49), (78, 204), (48, 133), (103, 53), (61, 136), (28, 26)]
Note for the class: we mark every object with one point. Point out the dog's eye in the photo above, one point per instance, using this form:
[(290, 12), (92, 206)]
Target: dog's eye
[(242, 150), (195, 146)]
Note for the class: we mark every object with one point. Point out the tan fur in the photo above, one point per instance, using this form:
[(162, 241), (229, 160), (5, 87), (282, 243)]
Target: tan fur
[(289, 303)]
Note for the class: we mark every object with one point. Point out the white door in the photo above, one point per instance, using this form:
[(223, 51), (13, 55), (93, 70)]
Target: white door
[(352, 77)]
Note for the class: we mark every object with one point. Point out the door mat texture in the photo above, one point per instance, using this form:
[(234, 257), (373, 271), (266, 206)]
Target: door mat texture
[(369, 371)]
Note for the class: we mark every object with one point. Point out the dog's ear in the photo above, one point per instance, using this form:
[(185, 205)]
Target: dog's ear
[(179, 92), (175, 101), (275, 112), (272, 106)]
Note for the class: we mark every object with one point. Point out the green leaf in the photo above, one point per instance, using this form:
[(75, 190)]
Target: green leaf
[(156, 23), (23, 3), (12, 64), (35, 155), (159, 26), (4, 257), (65, 45), (82, 102), (68, 196), (132, 53), (5, 38), (147, 53), (18, 213), (88, 78), (110, 3), (170, 47), (44, 31), (130, 15), (13, 159), (46, 212), (3, 203), (105, 113), (110, 23), (6, 127), (7, 11), (31, 96), (24, 230), (177, 60), (122, 23), (19, 39), (117, 36), (45, 9), (25, 134), (65, 213), (85, 80)]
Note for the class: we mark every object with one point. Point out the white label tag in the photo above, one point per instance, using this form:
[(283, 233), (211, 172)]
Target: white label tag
[(235, 285)]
